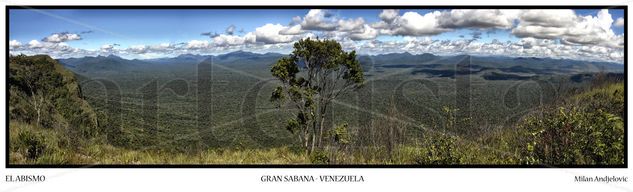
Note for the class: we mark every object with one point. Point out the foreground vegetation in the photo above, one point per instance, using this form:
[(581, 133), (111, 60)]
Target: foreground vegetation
[(52, 123), (34, 145)]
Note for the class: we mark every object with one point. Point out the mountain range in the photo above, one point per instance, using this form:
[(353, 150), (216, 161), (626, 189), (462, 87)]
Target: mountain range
[(424, 63)]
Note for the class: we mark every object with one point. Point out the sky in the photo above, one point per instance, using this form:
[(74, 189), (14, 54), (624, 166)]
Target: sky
[(588, 34)]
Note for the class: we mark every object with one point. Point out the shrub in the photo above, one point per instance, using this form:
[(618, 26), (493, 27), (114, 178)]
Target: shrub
[(609, 98), (319, 157), (341, 134), (438, 149), (573, 136)]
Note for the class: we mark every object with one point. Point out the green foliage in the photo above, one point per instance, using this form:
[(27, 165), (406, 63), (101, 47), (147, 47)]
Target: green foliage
[(113, 132), (438, 149), (341, 134), (453, 121), (293, 125), (450, 119), (319, 157), (609, 98), (34, 83), (587, 134), (44, 93), (571, 136)]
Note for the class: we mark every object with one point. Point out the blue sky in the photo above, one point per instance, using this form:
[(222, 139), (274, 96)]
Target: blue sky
[(129, 27), (173, 28)]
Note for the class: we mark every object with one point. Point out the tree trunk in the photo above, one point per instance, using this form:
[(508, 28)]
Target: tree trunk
[(322, 120), (313, 142), (306, 140), (37, 121), (38, 108), (321, 130), (305, 144)]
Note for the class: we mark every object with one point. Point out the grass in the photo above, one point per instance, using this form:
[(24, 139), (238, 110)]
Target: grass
[(56, 152)]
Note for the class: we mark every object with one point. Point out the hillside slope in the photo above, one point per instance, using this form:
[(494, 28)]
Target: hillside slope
[(46, 95)]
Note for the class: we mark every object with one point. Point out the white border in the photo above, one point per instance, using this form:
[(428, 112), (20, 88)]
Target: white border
[(241, 179)]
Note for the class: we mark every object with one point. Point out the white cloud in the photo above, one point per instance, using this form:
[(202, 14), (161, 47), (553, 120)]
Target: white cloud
[(266, 34), (538, 31), (353, 25), (410, 23), (270, 34), (162, 46), (232, 40), (388, 15), (381, 25), (37, 47), (138, 49), (165, 48), (328, 26), (293, 30), (367, 33), (107, 48), (317, 19), (548, 17), (619, 22), (14, 44), (478, 18), (525, 47), (296, 20), (436, 22), (414, 24), (34, 44), (334, 35), (569, 27), (197, 44), (61, 37)]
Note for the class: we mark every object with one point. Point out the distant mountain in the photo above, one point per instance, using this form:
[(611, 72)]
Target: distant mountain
[(243, 58), (397, 58), (238, 55), (546, 65), (102, 64), (180, 59), (507, 64), (460, 64)]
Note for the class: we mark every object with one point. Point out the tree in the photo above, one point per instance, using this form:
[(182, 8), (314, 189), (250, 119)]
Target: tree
[(312, 76)]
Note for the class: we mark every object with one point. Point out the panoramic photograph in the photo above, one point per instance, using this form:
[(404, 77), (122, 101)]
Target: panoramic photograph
[(289, 86)]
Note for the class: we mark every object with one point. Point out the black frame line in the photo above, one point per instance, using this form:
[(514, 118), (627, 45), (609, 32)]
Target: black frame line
[(8, 8)]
